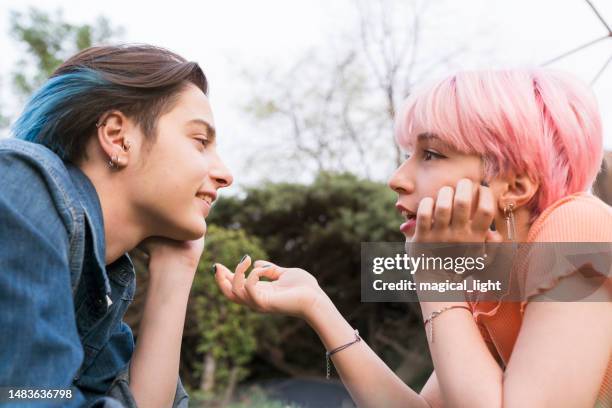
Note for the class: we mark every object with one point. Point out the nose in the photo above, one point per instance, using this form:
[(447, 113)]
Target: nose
[(220, 174), (400, 181)]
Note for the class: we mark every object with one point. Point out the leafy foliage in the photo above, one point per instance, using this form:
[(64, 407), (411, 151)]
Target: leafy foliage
[(49, 40), (216, 327), (319, 227)]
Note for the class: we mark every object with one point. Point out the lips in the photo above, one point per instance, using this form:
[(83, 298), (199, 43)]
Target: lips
[(206, 198), (410, 216)]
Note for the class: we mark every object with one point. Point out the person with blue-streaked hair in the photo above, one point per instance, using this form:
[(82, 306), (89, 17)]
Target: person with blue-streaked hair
[(116, 151)]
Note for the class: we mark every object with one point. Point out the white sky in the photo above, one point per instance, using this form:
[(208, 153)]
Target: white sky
[(228, 36)]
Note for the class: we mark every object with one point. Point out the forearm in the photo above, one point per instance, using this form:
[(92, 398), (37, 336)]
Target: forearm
[(155, 364), (467, 372), (368, 379)]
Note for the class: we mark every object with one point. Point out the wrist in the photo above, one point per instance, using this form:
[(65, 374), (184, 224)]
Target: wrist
[(427, 308), (171, 276), (166, 286), (321, 311)]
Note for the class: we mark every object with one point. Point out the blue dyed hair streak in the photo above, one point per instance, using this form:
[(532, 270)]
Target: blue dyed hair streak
[(53, 104)]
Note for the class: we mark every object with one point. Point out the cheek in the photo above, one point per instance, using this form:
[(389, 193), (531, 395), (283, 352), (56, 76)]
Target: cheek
[(430, 180), (444, 173)]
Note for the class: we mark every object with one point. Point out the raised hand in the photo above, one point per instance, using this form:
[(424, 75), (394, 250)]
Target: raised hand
[(289, 291), (463, 214)]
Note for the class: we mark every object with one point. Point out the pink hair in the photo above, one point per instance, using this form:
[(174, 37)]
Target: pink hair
[(537, 122)]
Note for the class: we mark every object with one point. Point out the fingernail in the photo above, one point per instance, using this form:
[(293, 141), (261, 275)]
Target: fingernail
[(243, 258), (266, 266), (214, 268)]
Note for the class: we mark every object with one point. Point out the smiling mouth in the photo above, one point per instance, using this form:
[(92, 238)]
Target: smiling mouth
[(206, 198)]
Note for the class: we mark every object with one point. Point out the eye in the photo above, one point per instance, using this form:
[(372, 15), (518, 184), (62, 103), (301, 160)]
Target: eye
[(203, 141), (430, 155)]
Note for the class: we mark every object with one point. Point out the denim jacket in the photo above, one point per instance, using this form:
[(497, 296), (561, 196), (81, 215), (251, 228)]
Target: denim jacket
[(61, 307)]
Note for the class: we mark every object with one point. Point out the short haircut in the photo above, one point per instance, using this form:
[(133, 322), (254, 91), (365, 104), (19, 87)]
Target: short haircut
[(537, 122), (141, 81)]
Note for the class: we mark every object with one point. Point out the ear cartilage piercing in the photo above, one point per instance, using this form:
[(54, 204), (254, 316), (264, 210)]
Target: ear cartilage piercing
[(99, 124)]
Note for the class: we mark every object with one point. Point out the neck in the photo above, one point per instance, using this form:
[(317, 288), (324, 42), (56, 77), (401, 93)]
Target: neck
[(122, 230)]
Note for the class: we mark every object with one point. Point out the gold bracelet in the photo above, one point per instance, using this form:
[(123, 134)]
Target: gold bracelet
[(437, 313)]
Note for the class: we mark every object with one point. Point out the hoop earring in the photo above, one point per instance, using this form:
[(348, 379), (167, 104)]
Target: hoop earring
[(114, 161), (510, 224)]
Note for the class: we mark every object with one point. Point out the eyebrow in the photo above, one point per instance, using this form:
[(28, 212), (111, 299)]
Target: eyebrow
[(423, 137), (210, 129), (427, 137)]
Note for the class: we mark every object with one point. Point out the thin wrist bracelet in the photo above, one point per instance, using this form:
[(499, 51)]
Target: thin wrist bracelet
[(328, 354), (437, 313)]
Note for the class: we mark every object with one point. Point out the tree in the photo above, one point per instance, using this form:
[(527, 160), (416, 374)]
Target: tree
[(220, 337), (334, 110), (319, 226), (225, 332), (48, 40)]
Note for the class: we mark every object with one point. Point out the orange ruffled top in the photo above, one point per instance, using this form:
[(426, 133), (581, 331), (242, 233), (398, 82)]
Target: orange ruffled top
[(579, 217)]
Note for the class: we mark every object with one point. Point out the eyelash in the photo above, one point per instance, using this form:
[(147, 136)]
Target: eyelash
[(428, 155), (203, 142)]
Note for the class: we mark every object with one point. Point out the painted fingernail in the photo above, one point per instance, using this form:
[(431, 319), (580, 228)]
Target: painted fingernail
[(243, 258), (214, 268), (266, 266)]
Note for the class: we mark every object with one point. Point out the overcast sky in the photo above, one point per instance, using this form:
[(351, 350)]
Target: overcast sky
[(227, 36)]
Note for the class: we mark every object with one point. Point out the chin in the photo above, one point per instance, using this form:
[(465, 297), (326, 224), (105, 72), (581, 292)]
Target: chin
[(196, 229)]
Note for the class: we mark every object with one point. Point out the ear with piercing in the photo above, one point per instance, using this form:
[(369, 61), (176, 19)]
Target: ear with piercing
[(115, 160)]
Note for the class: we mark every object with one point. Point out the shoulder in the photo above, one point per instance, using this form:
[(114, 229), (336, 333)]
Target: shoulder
[(580, 217), (29, 151), (35, 182)]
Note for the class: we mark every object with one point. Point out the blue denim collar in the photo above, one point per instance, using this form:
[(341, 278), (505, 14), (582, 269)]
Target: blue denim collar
[(93, 211)]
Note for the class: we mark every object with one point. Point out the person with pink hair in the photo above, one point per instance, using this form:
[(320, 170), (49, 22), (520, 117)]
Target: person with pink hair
[(519, 148)]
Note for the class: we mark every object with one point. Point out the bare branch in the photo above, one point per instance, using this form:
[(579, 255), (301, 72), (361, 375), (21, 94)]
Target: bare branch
[(600, 17)]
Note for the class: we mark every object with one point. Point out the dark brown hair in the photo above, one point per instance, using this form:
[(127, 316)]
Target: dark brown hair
[(141, 81)]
